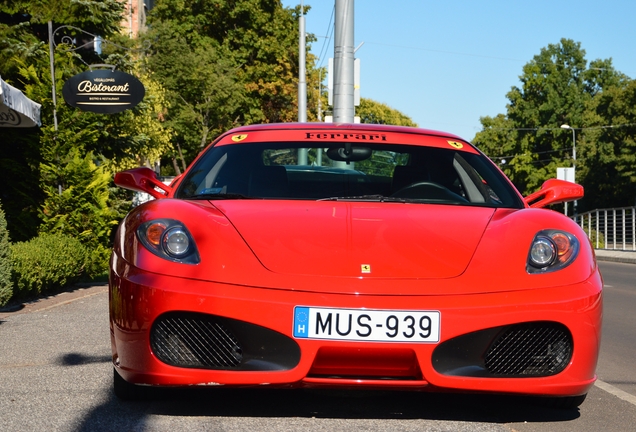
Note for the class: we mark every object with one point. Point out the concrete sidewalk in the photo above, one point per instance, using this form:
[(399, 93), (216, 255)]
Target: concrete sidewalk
[(616, 255)]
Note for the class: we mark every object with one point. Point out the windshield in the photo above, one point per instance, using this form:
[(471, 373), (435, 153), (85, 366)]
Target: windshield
[(376, 172)]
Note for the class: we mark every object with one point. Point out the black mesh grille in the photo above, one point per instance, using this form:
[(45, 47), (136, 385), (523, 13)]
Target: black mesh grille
[(196, 341), (532, 349)]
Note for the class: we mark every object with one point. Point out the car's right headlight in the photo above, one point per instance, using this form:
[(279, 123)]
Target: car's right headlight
[(551, 250)]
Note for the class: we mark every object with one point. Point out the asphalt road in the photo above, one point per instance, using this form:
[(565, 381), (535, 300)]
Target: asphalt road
[(617, 362), (55, 375)]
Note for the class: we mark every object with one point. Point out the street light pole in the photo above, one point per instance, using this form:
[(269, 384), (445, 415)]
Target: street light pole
[(567, 126)]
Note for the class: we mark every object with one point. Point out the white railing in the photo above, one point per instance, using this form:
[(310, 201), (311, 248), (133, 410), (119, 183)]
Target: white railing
[(610, 228)]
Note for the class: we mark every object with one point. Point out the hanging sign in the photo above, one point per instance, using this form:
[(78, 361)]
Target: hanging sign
[(103, 91)]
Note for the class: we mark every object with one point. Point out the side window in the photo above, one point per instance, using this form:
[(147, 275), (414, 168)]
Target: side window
[(470, 179), (481, 183)]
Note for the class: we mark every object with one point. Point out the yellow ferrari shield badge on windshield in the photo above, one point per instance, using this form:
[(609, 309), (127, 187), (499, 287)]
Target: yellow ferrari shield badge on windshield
[(456, 144), (237, 138)]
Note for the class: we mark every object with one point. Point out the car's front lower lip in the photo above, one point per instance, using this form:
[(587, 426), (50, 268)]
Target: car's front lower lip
[(138, 301)]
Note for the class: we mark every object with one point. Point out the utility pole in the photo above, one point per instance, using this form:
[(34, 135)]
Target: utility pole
[(302, 80), (343, 90), (320, 97), (302, 68)]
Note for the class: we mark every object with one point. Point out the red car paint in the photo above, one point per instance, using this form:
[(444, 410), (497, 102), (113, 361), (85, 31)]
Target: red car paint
[(259, 259)]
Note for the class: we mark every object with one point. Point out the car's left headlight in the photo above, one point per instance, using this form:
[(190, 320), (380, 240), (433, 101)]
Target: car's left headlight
[(551, 250), (169, 239)]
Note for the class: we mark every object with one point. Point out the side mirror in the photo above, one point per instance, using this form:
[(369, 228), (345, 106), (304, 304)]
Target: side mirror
[(142, 180), (555, 191)]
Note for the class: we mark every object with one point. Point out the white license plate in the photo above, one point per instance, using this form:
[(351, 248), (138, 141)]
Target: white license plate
[(366, 324)]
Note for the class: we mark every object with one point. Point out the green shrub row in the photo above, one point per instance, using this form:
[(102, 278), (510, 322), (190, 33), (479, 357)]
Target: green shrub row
[(6, 286), (47, 262), (593, 236)]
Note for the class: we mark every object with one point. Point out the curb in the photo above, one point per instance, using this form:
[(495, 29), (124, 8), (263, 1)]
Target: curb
[(627, 257), (48, 301), (616, 259)]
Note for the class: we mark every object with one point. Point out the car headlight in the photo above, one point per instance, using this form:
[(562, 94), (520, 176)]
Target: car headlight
[(551, 250), (169, 239)]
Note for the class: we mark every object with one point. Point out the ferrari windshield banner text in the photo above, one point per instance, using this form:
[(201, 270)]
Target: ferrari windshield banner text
[(345, 136)]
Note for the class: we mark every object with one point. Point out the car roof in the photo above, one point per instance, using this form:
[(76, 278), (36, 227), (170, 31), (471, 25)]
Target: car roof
[(341, 126), (324, 125), (342, 132)]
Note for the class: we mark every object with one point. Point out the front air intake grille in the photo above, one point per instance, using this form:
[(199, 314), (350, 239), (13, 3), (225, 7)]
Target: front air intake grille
[(195, 341), (531, 349)]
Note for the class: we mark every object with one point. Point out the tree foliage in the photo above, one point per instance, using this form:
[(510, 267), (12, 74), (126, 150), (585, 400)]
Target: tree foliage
[(49, 167), (6, 286), (559, 87), (374, 112), (609, 147), (82, 210), (225, 63)]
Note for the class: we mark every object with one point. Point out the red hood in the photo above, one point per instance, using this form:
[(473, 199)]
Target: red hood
[(354, 239)]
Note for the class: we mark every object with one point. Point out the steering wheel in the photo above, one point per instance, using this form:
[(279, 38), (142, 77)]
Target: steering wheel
[(428, 191)]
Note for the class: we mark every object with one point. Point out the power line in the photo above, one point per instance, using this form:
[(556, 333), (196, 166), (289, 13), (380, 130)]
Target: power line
[(443, 52), (557, 150), (457, 53), (534, 153), (559, 128), (327, 40)]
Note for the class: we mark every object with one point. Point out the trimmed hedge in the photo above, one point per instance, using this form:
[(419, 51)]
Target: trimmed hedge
[(6, 286), (593, 236), (46, 263)]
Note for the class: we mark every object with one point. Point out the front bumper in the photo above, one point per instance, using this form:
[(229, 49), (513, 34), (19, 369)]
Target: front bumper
[(260, 321)]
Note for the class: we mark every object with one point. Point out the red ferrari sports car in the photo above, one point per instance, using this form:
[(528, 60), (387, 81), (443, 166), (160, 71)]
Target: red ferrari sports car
[(348, 255)]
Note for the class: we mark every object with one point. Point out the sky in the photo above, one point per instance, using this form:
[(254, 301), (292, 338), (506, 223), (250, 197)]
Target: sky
[(446, 64)]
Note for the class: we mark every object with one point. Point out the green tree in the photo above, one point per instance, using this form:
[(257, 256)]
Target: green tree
[(609, 148), (82, 210), (552, 94), (47, 158), (371, 111), (225, 63), (557, 87), (24, 63), (19, 174), (201, 84)]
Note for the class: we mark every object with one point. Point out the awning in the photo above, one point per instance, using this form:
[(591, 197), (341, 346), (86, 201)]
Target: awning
[(17, 110)]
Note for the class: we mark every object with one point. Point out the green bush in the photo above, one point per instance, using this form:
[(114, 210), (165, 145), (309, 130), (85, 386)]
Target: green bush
[(84, 209), (97, 263), (593, 236), (46, 263), (6, 286)]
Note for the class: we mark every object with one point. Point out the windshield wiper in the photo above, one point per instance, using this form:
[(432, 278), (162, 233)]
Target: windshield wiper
[(370, 198)]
